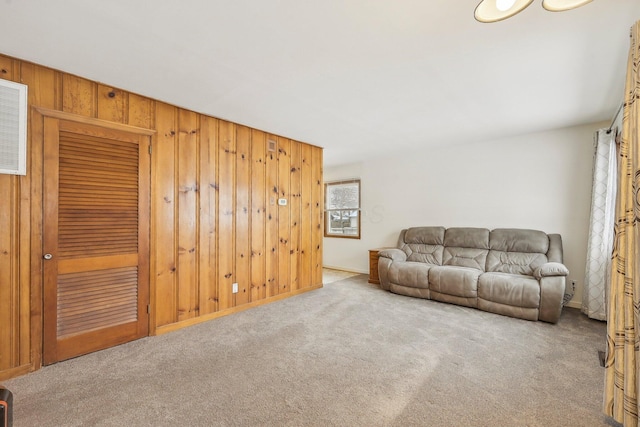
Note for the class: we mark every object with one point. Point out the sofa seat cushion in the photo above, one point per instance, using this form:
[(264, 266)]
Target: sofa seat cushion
[(456, 285), (509, 289), (410, 274)]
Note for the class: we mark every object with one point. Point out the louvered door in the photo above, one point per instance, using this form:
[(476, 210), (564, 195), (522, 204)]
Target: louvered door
[(96, 238)]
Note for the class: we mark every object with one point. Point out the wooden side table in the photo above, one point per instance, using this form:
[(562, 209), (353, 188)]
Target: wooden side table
[(373, 265)]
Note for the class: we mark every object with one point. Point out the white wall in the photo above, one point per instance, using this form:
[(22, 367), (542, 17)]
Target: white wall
[(540, 181)]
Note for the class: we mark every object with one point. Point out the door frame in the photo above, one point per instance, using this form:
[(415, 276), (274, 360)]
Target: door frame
[(37, 153)]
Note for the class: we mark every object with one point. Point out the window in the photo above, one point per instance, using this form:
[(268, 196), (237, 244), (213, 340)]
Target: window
[(342, 209)]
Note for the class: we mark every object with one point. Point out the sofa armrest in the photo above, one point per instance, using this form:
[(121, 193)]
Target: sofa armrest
[(551, 298), (550, 269), (393, 254)]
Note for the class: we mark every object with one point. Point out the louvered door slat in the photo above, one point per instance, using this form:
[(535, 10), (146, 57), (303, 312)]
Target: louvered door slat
[(80, 174)]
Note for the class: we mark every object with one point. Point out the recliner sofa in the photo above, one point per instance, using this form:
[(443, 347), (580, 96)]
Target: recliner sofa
[(513, 272)]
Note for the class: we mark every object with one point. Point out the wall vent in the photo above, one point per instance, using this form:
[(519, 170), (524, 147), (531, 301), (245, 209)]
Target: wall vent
[(271, 144), (13, 128)]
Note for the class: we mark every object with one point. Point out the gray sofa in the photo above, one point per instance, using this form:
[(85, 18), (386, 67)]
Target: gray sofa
[(514, 272)]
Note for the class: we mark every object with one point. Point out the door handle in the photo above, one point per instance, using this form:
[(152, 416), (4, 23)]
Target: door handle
[(47, 256)]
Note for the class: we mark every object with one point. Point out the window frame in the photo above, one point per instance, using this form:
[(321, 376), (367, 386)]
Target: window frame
[(328, 212)]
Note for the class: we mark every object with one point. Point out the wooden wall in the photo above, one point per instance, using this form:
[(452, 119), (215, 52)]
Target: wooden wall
[(215, 218)]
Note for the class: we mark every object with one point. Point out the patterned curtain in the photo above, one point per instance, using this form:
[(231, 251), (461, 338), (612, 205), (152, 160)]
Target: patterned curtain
[(600, 246), (623, 361)]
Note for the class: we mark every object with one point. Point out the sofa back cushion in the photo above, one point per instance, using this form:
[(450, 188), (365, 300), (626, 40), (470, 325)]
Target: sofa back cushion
[(466, 247), (514, 262), (424, 244), (517, 251), (519, 240)]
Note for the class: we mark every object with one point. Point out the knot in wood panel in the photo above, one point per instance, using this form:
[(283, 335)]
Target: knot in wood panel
[(187, 188)]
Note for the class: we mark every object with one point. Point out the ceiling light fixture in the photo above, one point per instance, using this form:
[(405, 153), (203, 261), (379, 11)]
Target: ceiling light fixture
[(497, 10)]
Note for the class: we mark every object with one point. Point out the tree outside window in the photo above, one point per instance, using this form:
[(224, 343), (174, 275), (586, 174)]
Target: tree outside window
[(342, 209)]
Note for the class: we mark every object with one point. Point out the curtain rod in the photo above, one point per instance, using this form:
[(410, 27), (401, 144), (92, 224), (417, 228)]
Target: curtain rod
[(615, 118)]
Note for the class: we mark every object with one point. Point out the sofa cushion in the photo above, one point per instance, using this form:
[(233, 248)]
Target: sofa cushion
[(509, 289), (410, 274), (459, 281), (465, 257), (426, 235), (514, 262), (467, 237), (430, 254), (519, 240), (424, 244)]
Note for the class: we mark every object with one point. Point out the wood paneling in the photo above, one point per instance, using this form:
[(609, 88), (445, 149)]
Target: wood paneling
[(284, 217), (306, 250), (163, 212), (271, 216), (9, 69), (208, 279), (187, 214), (9, 291), (140, 112), (226, 213), (243, 214), (215, 218), (317, 211), (112, 104), (79, 96), (15, 316), (258, 249), (295, 215)]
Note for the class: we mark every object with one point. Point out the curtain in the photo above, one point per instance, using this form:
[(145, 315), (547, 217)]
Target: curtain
[(600, 243), (622, 361)]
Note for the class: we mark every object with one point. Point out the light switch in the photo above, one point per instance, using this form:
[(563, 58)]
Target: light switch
[(282, 202)]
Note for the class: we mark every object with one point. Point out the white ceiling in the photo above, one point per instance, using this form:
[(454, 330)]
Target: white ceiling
[(358, 77)]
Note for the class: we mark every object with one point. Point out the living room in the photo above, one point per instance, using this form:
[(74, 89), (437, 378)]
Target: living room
[(435, 139)]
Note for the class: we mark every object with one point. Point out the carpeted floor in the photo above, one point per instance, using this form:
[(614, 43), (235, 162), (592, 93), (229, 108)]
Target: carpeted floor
[(348, 354)]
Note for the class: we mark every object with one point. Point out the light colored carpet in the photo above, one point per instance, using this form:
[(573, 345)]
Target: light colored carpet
[(348, 354)]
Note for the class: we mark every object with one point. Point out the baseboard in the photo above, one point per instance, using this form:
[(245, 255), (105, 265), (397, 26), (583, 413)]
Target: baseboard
[(15, 372), (190, 322), (574, 304), (348, 270)]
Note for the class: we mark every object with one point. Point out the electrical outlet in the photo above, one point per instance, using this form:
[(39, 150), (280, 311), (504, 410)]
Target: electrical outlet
[(234, 288)]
